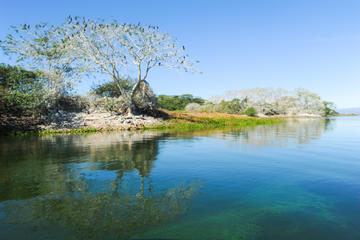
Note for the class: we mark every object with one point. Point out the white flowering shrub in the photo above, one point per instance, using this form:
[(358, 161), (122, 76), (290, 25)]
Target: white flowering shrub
[(193, 107)]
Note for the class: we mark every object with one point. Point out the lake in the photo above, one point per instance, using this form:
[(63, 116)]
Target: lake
[(296, 180)]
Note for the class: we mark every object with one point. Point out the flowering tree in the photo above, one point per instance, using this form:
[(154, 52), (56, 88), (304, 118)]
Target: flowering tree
[(46, 48), (115, 49)]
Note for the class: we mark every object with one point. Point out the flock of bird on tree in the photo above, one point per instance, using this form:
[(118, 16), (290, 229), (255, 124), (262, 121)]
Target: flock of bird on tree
[(81, 46)]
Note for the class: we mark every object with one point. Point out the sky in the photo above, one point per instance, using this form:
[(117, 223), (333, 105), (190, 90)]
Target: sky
[(240, 44)]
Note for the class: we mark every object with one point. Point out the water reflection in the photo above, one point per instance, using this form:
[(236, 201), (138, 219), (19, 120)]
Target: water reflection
[(100, 186), (297, 131), (91, 186)]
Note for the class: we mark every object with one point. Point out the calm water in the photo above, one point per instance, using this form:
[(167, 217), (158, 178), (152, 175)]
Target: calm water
[(296, 180)]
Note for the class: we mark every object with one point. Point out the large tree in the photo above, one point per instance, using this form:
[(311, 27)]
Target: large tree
[(46, 48), (120, 49)]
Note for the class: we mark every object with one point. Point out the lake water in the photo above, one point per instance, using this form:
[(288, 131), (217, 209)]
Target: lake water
[(295, 180)]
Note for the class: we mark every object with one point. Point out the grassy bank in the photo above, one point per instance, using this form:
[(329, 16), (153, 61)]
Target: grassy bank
[(77, 131), (204, 121), (179, 121)]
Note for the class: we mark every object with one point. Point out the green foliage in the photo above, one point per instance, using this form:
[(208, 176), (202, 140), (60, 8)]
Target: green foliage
[(21, 90), (45, 47), (329, 108), (251, 112), (177, 102), (14, 78), (111, 89), (235, 106), (207, 123)]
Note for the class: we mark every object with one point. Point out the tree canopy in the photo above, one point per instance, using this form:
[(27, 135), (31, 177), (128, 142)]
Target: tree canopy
[(64, 52), (115, 49), (45, 48)]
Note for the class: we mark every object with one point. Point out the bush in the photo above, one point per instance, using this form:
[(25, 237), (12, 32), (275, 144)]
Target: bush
[(251, 112), (110, 89), (329, 108), (177, 102), (235, 106), (22, 91), (193, 107)]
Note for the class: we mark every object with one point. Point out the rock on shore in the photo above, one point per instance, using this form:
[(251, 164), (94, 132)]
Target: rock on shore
[(97, 120), (58, 120)]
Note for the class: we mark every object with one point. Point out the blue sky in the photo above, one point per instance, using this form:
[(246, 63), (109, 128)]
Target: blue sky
[(240, 44)]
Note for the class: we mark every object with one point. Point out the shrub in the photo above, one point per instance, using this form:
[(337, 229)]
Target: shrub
[(177, 102), (251, 111), (329, 108), (235, 106), (22, 91), (110, 89), (192, 107)]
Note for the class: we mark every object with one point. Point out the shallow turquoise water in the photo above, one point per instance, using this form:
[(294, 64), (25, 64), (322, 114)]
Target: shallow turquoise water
[(295, 180)]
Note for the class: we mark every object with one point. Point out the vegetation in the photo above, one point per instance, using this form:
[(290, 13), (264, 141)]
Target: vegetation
[(21, 91), (188, 121), (251, 112), (235, 106), (63, 53), (111, 89), (268, 101), (112, 48), (329, 108), (47, 49), (57, 57), (177, 102)]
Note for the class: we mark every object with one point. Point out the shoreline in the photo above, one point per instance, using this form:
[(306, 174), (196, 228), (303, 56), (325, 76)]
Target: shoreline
[(95, 122), (85, 123)]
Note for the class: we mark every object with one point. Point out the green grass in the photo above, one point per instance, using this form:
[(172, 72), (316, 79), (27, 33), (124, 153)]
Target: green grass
[(206, 123), (180, 122), (54, 132)]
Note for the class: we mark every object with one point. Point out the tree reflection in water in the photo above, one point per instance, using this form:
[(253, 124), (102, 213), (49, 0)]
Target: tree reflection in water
[(298, 131), (86, 206), (100, 186)]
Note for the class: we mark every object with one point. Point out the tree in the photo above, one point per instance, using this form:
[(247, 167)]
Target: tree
[(329, 108), (46, 48), (276, 101), (21, 91), (113, 49), (235, 106), (251, 111)]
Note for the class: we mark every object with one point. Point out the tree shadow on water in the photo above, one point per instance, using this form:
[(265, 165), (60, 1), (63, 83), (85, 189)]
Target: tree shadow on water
[(86, 206)]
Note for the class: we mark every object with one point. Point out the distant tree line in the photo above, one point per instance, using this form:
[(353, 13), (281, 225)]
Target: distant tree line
[(267, 101)]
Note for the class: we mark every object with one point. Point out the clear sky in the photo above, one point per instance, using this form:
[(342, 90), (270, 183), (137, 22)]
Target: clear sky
[(312, 44)]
